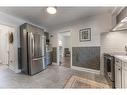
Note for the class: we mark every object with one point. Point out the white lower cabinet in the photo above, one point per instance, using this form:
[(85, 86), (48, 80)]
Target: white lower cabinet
[(118, 74), (118, 77), (124, 75)]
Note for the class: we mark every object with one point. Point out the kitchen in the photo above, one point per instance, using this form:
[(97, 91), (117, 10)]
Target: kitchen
[(114, 52), (102, 53)]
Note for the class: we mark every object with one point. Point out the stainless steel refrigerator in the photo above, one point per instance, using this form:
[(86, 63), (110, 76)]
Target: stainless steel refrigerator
[(32, 43)]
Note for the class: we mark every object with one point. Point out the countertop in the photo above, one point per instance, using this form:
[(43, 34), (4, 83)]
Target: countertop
[(120, 55)]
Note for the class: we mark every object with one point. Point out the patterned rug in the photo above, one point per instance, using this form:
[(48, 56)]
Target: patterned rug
[(78, 82)]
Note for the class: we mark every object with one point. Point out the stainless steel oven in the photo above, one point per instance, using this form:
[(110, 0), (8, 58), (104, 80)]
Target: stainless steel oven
[(109, 69)]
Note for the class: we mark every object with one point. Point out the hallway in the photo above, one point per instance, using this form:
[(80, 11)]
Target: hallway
[(66, 62)]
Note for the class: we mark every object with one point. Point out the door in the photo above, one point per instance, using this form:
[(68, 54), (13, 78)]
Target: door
[(124, 75), (118, 76), (4, 45), (37, 46)]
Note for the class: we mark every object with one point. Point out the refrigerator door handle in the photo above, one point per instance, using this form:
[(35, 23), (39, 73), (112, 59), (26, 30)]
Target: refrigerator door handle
[(32, 44)]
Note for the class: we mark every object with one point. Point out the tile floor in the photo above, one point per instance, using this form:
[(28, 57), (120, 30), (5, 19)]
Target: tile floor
[(53, 77), (66, 62)]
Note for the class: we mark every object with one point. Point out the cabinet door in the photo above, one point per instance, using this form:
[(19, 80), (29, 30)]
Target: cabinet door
[(118, 76), (124, 75)]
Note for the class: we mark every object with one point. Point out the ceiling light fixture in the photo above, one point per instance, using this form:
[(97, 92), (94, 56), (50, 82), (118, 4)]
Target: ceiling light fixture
[(51, 10)]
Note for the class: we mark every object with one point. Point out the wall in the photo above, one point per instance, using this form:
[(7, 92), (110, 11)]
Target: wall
[(66, 43), (113, 42), (98, 24), (11, 21), (4, 44)]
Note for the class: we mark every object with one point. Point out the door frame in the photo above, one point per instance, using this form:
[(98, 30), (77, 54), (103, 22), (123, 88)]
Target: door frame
[(58, 37)]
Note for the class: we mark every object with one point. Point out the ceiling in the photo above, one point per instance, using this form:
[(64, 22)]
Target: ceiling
[(39, 16)]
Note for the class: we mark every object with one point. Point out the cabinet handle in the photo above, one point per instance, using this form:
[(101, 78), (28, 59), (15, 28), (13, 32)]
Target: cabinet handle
[(119, 69)]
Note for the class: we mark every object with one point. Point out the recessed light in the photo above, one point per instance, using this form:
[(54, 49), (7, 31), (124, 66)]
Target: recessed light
[(51, 10)]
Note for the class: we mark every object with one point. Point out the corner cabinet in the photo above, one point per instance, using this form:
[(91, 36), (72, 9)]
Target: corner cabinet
[(124, 75), (120, 73)]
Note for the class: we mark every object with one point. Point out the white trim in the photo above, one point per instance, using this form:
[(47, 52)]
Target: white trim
[(11, 68), (86, 70), (17, 71), (54, 63)]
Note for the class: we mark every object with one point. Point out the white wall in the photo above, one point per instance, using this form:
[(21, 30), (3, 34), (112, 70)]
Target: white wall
[(66, 42), (113, 42), (98, 24), (13, 52), (4, 44)]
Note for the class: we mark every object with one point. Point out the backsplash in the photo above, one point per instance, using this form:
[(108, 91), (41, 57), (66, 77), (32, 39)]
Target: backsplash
[(114, 41)]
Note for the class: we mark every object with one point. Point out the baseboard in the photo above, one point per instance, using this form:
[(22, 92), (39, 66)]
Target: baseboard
[(85, 70), (11, 68), (17, 71), (54, 63)]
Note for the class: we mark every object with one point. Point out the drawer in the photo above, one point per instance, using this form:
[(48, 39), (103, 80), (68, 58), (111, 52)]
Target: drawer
[(118, 62)]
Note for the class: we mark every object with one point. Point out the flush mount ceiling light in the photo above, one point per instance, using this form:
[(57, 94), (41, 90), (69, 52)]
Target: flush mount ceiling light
[(51, 10)]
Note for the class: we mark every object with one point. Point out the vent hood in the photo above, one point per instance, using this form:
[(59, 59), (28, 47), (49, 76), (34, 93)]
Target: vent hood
[(121, 20)]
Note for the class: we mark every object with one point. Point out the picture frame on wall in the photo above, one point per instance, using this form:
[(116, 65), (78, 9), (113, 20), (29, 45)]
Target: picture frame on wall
[(85, 34)]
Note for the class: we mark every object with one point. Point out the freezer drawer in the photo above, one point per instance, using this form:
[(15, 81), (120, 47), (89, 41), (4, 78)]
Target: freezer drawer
[(36, 65)]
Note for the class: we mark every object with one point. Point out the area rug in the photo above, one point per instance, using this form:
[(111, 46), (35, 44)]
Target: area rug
[(78, 82)]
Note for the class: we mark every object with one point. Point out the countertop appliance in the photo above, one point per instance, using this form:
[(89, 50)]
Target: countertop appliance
[(32, 49), (109, 69)]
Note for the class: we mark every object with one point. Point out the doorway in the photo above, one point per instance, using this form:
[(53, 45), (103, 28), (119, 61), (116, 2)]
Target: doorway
[(4, 45), (64, 49)]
